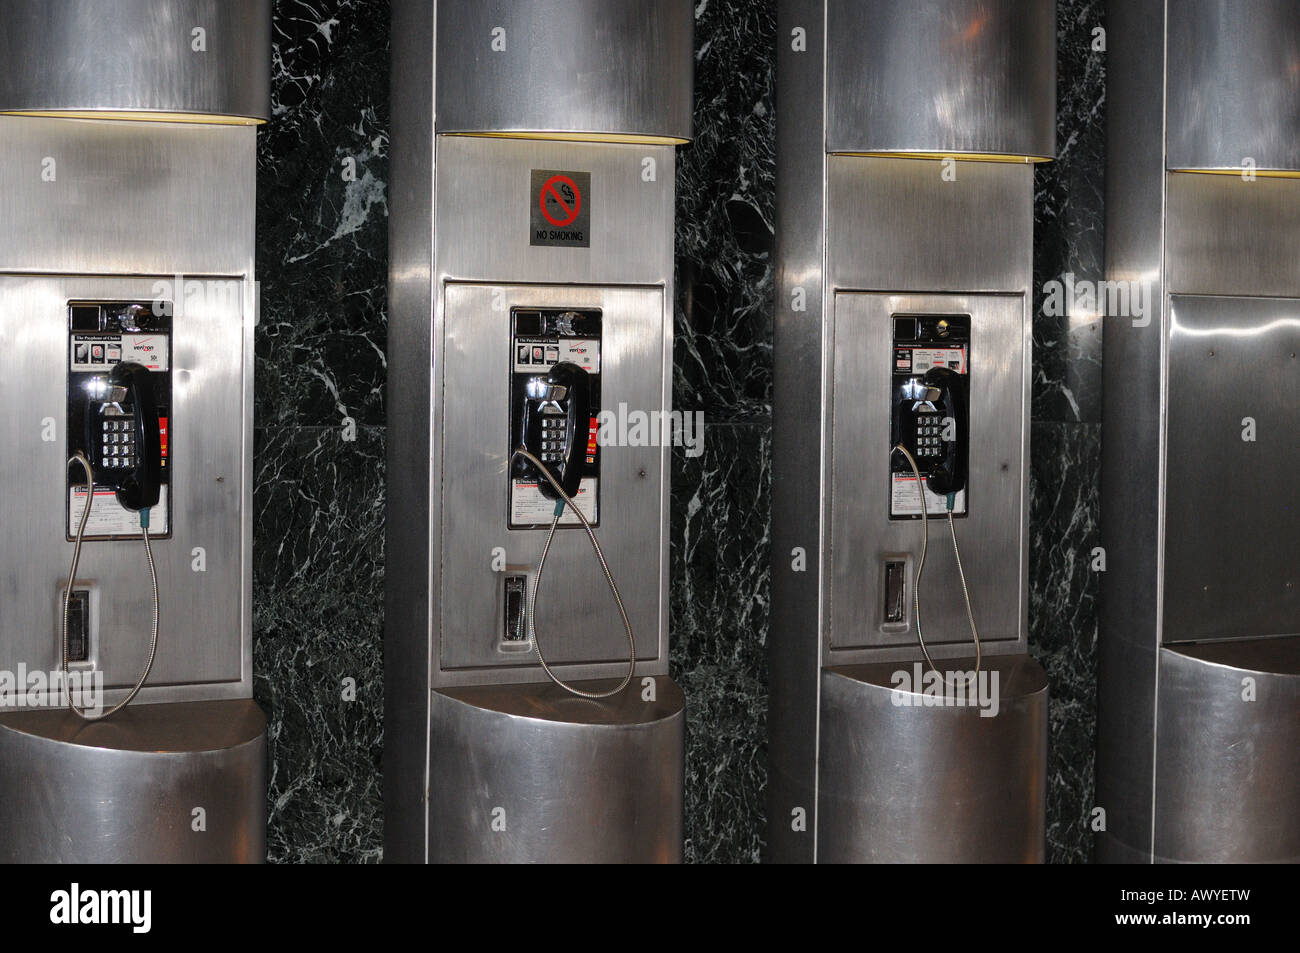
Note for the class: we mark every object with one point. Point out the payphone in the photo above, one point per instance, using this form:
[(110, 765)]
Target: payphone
[(526, 644), (127, 308), (119, 406), (902, 351), (930, 431), (119, 400), (555, 460)]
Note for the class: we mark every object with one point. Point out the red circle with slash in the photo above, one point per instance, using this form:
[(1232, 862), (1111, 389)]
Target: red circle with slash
[(551, 190)]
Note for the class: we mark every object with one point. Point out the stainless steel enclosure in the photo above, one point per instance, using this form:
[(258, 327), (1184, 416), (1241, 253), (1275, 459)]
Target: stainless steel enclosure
[(887, 216), (179, 60), (118, 205), (1199, 682), (494, 104)]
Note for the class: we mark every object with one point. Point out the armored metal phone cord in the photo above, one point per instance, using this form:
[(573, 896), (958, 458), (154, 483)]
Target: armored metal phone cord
[(609, 578), (920, 565), (80, 459)]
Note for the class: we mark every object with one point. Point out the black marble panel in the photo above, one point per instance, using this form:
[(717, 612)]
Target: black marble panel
[(322, 216), (318, 616), (1069, 223), (720, 601), (1065, 473), (322, 248), (725, 213), (723, 366)]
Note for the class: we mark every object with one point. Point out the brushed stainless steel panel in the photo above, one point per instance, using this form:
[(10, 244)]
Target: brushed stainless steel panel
[(204, 632), (1221, 236), (575, 781), (412, 506), (1132, 421), (1232, 512), (947, 76), (484, 200), (799, 391), (482, 205), (911, 784), (1234, 84), (896, 225), (131, 55), (123, 791), (578, 66), (577, 619), (994, 534), (1231, 237), (127, 198), (1228, 771)]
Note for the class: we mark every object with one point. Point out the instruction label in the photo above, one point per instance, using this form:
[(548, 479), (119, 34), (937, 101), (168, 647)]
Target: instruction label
[(529, 505), (99, 352), (904, 500), (109, 518), (918, 360)]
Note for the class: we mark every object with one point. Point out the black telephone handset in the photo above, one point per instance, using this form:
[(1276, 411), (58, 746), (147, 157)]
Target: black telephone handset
[(555, 426), (933, 410), (124, 437)]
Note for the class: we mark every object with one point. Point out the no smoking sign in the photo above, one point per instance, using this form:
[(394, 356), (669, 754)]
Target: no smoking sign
[(560, 206)]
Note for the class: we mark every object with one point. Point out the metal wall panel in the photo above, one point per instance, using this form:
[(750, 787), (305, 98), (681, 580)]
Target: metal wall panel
[(1234, 89), (994, 534), (1129, 607), (123, 791), (579, 781), (204, 637), (911, 784), (898, 225), (798, 401), (131, 55), (1228, 777), (482, 235), (483, 202), (577, 620), (584, 67), (126, 198), (411, 503), (945, 76), (1227, 496), (1178, 769), (1227, 236)]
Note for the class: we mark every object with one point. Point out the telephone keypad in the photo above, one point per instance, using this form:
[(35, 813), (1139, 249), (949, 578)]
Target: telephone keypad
[(117, 452), (929, 435), (552, 439)]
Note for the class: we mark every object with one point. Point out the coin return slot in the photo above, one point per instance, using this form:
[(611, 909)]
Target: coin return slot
[(895, 591)]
